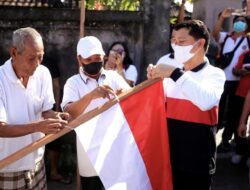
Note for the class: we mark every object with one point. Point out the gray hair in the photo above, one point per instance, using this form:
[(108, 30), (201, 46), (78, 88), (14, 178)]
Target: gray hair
[(20, 35)]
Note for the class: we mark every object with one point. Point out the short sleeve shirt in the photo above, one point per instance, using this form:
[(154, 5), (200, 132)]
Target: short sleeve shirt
[(229, 46), (131, 73), (78, 86), (244, 84), (20, 105)]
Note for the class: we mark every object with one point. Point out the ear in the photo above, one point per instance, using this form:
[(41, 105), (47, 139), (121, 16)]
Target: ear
[(13, 53), (201, 43), (198, 45), (79, 60)]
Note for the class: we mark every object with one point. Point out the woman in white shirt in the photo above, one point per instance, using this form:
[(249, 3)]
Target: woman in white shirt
[(118, 59)]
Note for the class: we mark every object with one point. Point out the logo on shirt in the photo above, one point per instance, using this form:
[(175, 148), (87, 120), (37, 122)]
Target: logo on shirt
[(244, 47)]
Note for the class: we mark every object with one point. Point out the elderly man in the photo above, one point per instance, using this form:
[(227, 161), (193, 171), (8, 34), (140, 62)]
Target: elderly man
[(91, 87), (26, 100), (192, 93)]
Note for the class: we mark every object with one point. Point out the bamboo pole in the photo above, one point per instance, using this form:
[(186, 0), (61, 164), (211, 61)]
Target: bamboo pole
[(82, 18), (81, 34), (73, 124)]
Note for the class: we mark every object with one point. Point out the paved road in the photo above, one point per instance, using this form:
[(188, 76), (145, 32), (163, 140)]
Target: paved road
[(228, 176)]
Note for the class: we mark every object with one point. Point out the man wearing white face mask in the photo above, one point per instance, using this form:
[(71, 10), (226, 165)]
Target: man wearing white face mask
[(192, 88), (229, 41)]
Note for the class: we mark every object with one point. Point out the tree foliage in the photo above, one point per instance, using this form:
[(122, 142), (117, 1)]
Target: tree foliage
[(121, 5)]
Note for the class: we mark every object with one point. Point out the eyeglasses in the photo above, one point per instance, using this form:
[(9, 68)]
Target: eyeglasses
[(119, 51)]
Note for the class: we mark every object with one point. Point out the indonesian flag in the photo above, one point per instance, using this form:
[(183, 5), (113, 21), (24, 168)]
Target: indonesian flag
[(128, 143)]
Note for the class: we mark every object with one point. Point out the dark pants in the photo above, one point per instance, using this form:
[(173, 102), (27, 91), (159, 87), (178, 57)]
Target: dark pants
[(226, 109), (183, 181), (91, 183), (232, 125)]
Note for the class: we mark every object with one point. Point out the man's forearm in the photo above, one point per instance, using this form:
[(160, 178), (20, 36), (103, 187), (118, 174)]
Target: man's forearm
[(16, 130), (76, 108), (246, 109)]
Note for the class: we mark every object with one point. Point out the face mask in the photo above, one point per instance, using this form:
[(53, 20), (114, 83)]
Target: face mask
[(92, 68), (182, 53), (239, 26)]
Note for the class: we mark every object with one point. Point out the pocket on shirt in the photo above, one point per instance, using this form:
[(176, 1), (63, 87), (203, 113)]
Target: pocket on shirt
[(38, 104)]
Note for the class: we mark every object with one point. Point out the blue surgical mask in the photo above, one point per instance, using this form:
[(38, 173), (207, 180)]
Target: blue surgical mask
[(239, 26)]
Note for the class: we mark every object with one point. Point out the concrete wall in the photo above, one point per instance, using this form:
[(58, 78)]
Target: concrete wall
[(60, 31), (146, 33), (208, 10)]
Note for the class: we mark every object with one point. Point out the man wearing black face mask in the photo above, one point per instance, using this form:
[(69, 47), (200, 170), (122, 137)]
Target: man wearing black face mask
[(227, 117), (91, 87)]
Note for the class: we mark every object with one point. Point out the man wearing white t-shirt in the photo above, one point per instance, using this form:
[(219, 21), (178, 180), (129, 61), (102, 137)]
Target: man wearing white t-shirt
[(26, 100), (91, 87), (230, 41)]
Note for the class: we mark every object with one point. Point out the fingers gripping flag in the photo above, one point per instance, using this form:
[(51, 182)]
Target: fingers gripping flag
[(128, 143)]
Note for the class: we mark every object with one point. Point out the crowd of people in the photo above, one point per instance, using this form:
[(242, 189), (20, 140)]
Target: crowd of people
[(194, 89)]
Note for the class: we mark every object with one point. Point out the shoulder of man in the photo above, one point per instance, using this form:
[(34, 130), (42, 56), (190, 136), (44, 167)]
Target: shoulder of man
[(165, 58)]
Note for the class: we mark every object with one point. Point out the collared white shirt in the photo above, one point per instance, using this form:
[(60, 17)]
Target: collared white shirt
[(78, 86), (229, 46), (20, 105)]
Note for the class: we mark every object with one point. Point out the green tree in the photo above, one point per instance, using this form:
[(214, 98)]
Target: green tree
[(121, 5)]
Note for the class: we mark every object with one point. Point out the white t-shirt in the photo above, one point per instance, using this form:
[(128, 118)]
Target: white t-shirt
[(78, 86), (131, 73), (20, 105), (229, 46)]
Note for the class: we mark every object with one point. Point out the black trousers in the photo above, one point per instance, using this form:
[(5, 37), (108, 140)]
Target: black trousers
[(232, 125), (182, 180), (226, 108), (91, 183)]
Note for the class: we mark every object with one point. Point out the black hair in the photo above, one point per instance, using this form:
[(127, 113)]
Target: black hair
[(236, 17), (197, 29), (127, 60)]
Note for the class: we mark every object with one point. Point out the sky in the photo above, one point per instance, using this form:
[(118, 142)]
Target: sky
[(188, 5)]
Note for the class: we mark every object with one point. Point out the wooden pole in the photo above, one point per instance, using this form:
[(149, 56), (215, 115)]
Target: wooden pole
[(81, 34), (82, 18), (73, 124)]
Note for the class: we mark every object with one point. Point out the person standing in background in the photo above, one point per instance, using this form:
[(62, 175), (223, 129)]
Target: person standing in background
[(53, 149), (229, 42), (120, 61)]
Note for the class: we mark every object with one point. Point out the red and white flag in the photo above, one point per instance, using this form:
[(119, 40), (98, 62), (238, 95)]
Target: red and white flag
[(128, 143)]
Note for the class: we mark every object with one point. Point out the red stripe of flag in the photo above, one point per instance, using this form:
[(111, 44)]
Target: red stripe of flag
[(145, 113)]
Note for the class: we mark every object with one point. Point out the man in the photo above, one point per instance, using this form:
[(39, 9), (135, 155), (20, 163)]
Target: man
[(242, 69), (192, 94), (243, 126), (26, 97), (92, 87), (53, 149), (229, 41)]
